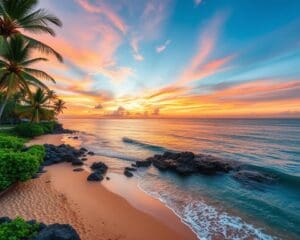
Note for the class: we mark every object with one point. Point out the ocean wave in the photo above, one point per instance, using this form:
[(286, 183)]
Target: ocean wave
[(283, 178), (144, 145), (209, 223)]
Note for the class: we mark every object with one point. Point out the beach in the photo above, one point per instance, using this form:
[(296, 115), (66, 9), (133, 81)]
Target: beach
[(64, 196)]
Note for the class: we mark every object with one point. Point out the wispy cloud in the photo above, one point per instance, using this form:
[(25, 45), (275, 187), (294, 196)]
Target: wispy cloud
[(199, 67), (106, 11), (163, 47), (198, 2)]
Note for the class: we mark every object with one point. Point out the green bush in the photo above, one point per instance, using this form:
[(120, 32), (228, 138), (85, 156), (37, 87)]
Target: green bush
[(9, 142), (38, 151), (18, 229), (48, 127), (19, 166), (29, 130)]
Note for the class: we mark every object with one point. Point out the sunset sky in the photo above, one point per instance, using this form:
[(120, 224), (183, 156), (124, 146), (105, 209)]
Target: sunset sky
[(177, 58)]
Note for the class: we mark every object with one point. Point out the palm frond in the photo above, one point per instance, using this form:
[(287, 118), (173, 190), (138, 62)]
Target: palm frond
[(39, 74), (44, 48)]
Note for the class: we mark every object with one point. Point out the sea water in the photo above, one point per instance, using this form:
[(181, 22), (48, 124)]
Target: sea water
[(215, 207)]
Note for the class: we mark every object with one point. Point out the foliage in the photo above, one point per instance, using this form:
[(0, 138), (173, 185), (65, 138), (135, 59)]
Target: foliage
[(29, 130), (19, 166), (37, 107), (37, 151), (10, 142), (19, 16), (48, 127), (18, 229)]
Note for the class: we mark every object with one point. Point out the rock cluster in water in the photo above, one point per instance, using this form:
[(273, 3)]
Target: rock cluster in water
[(99, 170), (50, 232), (187, 163)]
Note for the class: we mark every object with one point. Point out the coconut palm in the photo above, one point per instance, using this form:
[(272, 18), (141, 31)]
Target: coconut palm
[(15, 71), (36, 107), (20, 16), (59, 106)]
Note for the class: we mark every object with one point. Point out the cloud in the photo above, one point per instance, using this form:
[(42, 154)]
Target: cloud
[(163, 47), (199, 67), (99, 106), (151, 24), (198, 2), (106, 11)]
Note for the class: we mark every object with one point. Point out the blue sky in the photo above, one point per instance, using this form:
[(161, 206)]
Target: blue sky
[(181, 58)]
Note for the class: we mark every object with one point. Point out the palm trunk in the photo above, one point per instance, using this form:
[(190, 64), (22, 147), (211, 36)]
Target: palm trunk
[(3, 107)]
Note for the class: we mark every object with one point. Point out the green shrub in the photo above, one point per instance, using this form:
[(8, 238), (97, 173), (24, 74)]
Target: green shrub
[(19, 166), (9, 142), (29, 130), (38, 151), (48, 127), (18, 229)]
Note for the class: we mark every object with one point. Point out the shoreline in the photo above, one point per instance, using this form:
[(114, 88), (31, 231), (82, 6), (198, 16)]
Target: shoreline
[(94, 209)]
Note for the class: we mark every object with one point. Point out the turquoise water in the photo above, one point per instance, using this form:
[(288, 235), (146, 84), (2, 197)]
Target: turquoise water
[(215, 207)]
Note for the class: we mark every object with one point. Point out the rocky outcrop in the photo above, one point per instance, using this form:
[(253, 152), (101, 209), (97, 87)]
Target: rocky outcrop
[(62, 153), (57, 232), (59, 129), (186, 163), (95, 177), (50, 232)]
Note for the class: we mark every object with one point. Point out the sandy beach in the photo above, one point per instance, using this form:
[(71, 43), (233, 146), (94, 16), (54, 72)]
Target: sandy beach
[(96, 212)]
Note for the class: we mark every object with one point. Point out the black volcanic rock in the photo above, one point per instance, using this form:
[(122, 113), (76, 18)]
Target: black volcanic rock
[(78, 169), (77, 162), (95, 177), (186, 163), (128, 173), (99, 167), (57, 232), (146, 163)]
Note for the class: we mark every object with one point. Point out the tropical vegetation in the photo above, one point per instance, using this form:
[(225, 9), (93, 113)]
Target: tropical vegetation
[(18, 229), (23, 92)]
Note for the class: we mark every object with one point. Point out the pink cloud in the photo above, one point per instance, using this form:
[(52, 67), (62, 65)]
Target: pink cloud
[(106, 11), (163, 47), (199, 68)]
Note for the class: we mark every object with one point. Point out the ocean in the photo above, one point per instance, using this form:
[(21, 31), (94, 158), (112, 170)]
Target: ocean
[(215, 207)]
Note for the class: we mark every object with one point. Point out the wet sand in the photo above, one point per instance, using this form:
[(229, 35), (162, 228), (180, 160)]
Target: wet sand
[(96, 212)]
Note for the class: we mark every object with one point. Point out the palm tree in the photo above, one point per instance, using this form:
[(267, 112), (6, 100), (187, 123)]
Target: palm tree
[(36, 107), (59, 106), (15, 74), (19, 16)]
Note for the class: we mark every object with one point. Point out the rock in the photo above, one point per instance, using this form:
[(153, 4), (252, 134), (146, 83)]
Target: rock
[(84, 159), (247, 176), (32, 222), (107, 178), (35, 176), (68, 158), (99, 167), (77, 162), (83, 149), (78, 169), (75, 137), (4, 220), (130, 169), (95, 177), (91, 153), (57, 232), (134, 165), (186, 163), (146, 163), (128, 174)]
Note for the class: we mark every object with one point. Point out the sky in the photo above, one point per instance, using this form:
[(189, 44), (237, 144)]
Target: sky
[(177, 58)]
